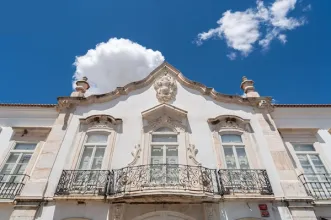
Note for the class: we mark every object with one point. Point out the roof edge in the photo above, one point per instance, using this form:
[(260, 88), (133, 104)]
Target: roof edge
[(27, 105), (302, 105)]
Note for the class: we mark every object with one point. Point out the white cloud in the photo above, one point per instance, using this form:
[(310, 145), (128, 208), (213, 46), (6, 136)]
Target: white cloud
[(242, 30), (282, 38), (307, 8), (232, 56), (115, 63)]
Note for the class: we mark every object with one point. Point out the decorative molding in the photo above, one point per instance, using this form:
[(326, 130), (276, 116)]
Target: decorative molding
[(165, 115), (229, 122), (192, 152), (100, 122), (165, 121), (175, 73), (208, 211), (117, 211), (165, 87), (136, 155)]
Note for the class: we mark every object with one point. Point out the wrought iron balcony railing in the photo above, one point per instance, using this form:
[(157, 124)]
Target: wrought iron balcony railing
[(317, 185), (75, 182), (244, 181), (163, 177), (11, 185)]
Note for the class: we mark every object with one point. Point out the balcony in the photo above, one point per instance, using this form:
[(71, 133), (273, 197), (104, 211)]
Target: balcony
[(11, 185), (244, 181), (169, 178), (317, 185), (83, 182)]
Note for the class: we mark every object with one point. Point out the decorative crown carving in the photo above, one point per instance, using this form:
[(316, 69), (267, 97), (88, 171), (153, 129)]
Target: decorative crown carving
[(229, 122), (165, 87)]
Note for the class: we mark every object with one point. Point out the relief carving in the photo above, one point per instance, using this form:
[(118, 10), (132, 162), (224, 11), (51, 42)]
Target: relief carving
[(192, 152), (117, 212), (100, 122), (229, 122), (136, 154), (166, 88), (165, 120)]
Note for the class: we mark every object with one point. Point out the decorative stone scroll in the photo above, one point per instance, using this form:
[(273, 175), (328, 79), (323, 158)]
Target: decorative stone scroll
[(165, 87), (100, 122), (229, 122), (117, 211), (192, 152), (136, 155)]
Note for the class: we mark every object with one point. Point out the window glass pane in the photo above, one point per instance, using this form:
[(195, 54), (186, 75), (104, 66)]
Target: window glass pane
[(25, 158), (303, 147), (316, 160), (303, 159), (242, 158), (164, 138), (157, 155), (229, 158), (24, 146), (97, 138), (172, 155), (13, 157), (98, 157), (84, 163), (164, 129), (7, 168), (231, 138)]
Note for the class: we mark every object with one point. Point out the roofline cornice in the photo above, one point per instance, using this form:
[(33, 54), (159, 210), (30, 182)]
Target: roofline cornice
[(65, 102)]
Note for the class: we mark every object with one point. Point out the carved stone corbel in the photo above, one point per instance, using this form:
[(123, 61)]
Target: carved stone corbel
[(192, 152), (136, 155), (117, 211)]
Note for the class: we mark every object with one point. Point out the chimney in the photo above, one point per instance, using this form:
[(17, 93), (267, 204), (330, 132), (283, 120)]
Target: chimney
[(81, 87), (248, 86)]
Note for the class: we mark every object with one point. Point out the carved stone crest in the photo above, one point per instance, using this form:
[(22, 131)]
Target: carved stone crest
[(165, 87)]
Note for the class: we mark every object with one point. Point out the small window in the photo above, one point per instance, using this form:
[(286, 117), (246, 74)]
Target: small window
[(18, 160), (234, 152), (94, 150), (303, 147)]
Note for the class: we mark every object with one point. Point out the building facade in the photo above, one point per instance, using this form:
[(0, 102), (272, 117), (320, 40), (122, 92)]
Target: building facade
[(165, 148)]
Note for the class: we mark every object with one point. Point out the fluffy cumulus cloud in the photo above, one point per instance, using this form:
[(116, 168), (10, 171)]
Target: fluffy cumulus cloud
[(115, 63), (242, 30)]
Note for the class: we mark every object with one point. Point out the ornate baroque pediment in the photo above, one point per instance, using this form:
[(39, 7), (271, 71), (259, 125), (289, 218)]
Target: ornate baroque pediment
[(229, 122), (165, 115), (100, 122)]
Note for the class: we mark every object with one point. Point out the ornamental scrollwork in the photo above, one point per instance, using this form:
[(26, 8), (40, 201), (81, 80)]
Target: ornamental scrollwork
[(100, 122), (165, 120), (136, 154), (192, 152), (165, 87), (229, 122)]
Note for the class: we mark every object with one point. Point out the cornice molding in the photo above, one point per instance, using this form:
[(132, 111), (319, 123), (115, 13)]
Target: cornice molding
[(100, 121), (64, 102), (229, 122)]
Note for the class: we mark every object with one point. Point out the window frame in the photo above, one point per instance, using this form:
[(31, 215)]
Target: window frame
[(315, 152), (84, 144), (163, 145), (234, 147)]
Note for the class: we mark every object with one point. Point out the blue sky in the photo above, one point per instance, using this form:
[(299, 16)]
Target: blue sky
[(39, 41)]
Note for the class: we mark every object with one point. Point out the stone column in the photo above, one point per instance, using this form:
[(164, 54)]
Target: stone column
[(287, 177), (36, 185)]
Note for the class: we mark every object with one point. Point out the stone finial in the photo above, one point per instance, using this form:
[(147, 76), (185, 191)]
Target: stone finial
[(81, 87), (248, 86)]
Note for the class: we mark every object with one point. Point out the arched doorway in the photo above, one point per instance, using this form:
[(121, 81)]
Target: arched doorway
[(163, 215)]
